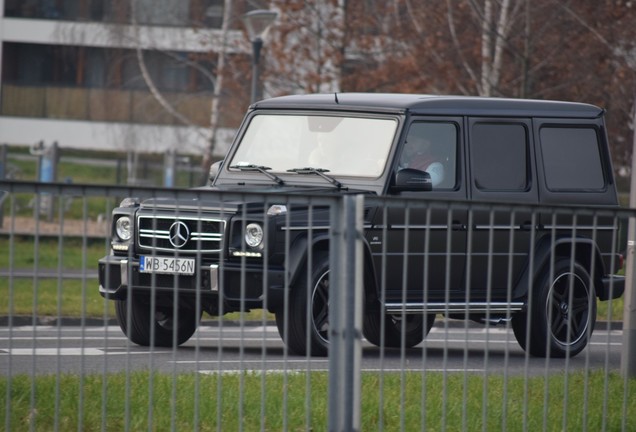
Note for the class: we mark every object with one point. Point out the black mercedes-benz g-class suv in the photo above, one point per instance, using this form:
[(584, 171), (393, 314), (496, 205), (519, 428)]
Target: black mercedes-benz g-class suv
[(541, 269)]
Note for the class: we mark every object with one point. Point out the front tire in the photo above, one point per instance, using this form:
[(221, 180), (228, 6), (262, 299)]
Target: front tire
[(416, 329), (163, 330), (312, 300), (563, 313)]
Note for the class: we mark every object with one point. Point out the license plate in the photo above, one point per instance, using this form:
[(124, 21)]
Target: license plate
[(151, 264)]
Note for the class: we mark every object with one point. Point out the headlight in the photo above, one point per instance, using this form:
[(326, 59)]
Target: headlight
[(123, 228), (253, 235)]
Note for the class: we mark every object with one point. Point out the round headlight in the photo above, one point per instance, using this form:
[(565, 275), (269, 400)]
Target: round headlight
[(123, 228), (253, 235)]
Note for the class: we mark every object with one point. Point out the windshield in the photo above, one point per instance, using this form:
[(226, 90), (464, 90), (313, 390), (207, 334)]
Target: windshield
[(348, 146)]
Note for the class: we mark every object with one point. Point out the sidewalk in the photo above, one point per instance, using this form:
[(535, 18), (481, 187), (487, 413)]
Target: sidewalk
[(21, 225)]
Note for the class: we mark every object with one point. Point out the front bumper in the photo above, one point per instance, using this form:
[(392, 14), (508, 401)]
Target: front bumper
[(233, 282)]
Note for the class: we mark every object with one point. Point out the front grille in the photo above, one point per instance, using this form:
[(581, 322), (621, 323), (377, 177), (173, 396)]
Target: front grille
[(203, 234)]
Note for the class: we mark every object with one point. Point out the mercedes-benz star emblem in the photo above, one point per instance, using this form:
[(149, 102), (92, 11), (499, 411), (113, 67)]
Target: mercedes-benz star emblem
[(179, 234)]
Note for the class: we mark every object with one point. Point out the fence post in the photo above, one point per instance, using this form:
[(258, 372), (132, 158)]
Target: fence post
[(3, 173), (169, 168), (628, 358), (345, 313), (48, 158)]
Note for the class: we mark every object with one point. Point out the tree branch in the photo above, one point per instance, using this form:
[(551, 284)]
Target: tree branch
[(451, 26), (148, 79)]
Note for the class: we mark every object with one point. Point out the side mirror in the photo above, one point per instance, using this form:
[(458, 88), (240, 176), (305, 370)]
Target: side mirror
[(215, 168), (413, 180)]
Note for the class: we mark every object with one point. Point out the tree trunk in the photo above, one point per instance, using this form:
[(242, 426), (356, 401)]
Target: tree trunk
[(218, 87)]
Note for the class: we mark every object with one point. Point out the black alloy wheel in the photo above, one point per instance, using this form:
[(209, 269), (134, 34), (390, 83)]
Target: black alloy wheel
[(563, 313)]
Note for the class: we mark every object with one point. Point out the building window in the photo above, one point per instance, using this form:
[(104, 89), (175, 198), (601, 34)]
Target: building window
[(195, 13), (87, 83), (45, 65)]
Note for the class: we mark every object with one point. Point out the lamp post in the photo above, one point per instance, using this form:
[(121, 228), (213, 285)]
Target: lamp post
[(257, 23)]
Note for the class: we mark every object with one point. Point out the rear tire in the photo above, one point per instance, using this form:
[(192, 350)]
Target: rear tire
[(563, 313), (163, 328)]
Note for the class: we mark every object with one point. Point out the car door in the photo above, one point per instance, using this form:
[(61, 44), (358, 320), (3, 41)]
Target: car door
[(501, 168), (424, 250)]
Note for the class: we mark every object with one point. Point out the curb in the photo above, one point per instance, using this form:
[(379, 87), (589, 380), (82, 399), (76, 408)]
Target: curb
[(24, 320)]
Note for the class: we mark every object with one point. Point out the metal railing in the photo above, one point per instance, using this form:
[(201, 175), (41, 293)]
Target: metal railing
[(67, 364), (89, 104)]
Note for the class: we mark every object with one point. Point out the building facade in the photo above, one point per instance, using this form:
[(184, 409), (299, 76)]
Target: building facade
[(95, 74)]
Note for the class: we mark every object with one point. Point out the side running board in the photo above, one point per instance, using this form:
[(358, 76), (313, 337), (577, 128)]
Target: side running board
[(455, 307)]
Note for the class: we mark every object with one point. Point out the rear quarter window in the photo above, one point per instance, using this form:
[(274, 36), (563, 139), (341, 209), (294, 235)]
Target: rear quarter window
[(500, 156), (572, 159)]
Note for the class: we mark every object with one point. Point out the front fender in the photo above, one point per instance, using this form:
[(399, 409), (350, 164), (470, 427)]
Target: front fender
[(299, 255)]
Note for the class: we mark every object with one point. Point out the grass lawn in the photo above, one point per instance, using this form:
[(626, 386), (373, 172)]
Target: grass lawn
[(61, 297), (70, 254), (253, 401)]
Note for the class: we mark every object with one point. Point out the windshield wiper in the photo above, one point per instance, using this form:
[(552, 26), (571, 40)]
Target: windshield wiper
[(318, 171), (261, 169)]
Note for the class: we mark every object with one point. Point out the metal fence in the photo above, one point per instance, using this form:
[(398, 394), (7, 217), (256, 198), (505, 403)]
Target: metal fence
[(421, 303)]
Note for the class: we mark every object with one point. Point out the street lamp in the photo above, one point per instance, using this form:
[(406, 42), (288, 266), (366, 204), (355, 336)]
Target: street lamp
[(257, 23)]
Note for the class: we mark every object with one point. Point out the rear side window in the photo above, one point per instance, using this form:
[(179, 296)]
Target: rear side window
[(500, 156), (571, 159)]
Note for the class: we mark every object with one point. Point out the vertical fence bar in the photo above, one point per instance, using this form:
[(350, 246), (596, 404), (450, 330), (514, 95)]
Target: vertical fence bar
[(628, 358), (9, 311), (84, 353), (345, 314), (3, 169)]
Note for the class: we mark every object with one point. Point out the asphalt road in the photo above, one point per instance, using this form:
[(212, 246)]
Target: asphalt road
[(230, 349)]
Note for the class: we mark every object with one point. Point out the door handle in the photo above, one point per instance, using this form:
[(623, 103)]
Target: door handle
[(528, 226), (458, 226)]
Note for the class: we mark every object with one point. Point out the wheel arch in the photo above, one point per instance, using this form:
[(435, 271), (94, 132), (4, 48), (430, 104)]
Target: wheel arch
[(299, 255), (586, 253)]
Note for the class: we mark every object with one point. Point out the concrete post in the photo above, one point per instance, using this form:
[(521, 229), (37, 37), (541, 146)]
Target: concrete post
[(169, 168), (47, 173)]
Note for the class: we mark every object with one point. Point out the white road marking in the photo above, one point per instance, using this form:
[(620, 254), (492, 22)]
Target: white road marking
[(69, 352), (300, 371), (305, 361)]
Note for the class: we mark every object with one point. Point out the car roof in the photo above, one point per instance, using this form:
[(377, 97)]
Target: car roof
[(432, 104)]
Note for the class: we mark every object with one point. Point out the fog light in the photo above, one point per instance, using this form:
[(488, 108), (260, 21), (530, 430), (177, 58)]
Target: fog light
[(120, 247)]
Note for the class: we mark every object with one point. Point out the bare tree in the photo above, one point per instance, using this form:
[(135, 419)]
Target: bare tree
[(526, 48), (146, 75), (306, 48), (159, 86), (218, 89), (538, 49)]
